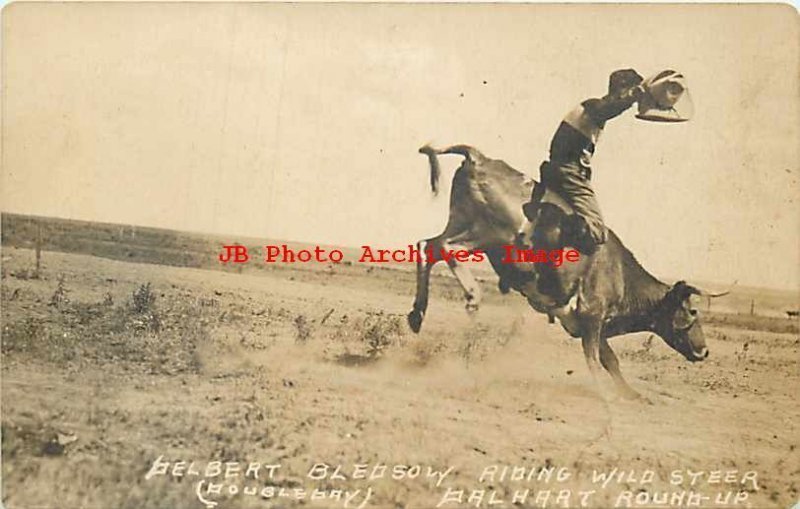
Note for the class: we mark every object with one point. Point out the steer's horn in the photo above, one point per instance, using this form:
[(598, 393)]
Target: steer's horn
[(707, 294), (704, 293)]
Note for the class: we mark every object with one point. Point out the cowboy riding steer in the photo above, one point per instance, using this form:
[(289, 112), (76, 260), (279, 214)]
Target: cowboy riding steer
[(603, 295)]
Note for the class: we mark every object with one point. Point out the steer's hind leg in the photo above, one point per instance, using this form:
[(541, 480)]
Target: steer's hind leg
[(424, 266), (472, 290)]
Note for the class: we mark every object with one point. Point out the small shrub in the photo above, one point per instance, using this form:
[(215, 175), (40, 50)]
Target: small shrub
[(144, 299), (144, 306), (59, 297), (380, 332), (741, 355), (302, 329), (367, 336), (376, 341)]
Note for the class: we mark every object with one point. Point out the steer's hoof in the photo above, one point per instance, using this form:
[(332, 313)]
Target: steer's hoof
[(471, 307), (631, 395), (644, 400), (415, 320)]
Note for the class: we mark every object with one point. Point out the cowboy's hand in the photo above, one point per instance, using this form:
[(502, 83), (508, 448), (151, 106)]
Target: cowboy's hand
[(626, 98)]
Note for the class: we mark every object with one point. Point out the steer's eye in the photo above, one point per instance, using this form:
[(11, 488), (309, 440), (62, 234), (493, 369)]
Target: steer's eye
[(693, 312)]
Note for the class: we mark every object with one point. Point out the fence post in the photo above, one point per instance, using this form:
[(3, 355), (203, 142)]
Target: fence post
[(38, 248)]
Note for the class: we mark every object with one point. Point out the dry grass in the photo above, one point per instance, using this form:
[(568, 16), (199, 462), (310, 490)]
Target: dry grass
[(134, 335), (133, 361)]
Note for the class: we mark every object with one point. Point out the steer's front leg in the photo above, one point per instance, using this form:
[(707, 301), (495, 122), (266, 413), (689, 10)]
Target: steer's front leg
[(590, 339), (609, 360), (591, 344)]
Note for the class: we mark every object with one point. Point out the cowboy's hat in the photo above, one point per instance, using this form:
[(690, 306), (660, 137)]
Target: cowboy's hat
[(666, 98)]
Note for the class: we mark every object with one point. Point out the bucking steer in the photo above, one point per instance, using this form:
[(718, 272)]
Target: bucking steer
[(485, 214), (604, 295)]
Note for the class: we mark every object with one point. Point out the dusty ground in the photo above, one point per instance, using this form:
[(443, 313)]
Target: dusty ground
[(102, 375)]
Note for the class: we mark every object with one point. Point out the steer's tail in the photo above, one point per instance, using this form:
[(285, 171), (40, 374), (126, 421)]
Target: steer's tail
[(470, 153)]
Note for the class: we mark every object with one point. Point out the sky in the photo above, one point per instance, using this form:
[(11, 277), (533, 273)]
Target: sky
[(302, 122)]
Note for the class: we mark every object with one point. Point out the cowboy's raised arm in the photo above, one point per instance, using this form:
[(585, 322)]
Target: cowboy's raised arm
[(610, 106)]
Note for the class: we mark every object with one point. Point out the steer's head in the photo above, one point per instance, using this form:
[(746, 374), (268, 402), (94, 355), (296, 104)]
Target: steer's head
[(678, 323)]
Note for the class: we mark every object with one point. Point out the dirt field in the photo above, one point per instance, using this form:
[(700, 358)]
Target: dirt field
[(103, 374)]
